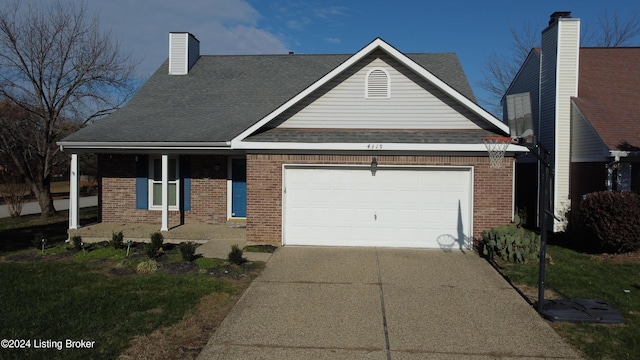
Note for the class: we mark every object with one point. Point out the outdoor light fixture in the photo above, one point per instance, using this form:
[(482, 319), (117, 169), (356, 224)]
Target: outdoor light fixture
[(374, 166)]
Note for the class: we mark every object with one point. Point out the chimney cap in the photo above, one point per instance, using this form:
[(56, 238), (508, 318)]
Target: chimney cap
[(558, 15)]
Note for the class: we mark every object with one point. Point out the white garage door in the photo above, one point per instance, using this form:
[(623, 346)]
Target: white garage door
[(398, 207)]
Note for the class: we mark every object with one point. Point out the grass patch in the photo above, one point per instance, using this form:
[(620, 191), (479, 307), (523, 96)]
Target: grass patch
[(97, 295), (580, 275), (18, 234), (72, 300), (260, 248), (207, 263)]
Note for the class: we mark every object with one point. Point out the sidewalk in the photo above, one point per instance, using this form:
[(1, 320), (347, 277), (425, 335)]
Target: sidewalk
[(31, 208)]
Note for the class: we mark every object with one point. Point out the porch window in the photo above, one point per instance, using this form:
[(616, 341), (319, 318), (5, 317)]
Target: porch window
[(155, 184)]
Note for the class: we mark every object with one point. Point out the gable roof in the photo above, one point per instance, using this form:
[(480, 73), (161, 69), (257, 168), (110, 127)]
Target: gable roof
[(609, 94), (228, 96)]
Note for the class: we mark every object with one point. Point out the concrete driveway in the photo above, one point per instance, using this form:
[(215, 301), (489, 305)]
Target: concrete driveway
[(368, 303)]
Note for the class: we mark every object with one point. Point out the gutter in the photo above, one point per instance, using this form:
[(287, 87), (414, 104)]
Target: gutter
[(147, 146)]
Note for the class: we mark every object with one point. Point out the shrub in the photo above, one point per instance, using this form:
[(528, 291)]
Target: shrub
[(155, 245), (187, 250), (76, 240), (117, 240), (511, 243), (612, 219), (235, 256), (147, 267)]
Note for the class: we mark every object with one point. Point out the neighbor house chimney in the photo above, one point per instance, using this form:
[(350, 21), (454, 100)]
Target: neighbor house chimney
[(559, 67), (184, 51), (559, 15)]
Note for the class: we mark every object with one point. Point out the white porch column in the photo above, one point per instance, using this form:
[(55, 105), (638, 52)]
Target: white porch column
[(165, 193), (74, 179)]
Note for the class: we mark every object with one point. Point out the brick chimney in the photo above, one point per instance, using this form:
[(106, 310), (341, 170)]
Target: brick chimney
[(184, 51)]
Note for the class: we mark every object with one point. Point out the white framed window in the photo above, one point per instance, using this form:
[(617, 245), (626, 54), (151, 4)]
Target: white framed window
[(377, 84), (155, 184)]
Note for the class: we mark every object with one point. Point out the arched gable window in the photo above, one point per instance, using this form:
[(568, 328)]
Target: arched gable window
[(377, 84)]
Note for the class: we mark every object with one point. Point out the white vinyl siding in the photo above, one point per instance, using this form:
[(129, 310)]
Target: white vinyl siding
[(378, 84), (586, 145), (184, 51), (559, 83), (178, 53), (414, 104)]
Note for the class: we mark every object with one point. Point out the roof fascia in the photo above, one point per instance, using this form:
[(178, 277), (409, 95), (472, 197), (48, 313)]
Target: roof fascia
[(136, 146), (371, 147), (403, 59), (532, 52)]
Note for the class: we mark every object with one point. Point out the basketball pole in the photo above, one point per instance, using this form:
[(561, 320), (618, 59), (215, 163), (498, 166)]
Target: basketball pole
[(544, 211)]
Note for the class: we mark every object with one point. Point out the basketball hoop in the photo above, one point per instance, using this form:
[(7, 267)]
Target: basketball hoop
[(496, 147)]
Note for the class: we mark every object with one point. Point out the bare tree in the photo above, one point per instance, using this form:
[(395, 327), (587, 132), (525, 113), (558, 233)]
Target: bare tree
[(56, 65), (13, 190), (612, 31), (500, 69)]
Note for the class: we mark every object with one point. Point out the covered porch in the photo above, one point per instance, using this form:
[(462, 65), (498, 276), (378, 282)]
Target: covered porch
[(138, 232)]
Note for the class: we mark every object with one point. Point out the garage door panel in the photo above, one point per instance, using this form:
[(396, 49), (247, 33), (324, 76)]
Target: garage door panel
[(397, 207)]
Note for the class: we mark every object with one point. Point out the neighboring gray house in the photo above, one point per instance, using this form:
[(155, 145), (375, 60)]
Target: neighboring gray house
[(376, 148), (585, 106)]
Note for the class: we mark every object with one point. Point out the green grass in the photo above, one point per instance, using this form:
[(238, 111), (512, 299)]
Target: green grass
[(579, 275), (92, 295), (77, 300), (206, 263), (18, 234)]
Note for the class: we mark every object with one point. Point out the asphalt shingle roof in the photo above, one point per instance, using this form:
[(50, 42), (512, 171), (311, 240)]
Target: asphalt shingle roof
[(371, 136), (223, 95), (609, 94)]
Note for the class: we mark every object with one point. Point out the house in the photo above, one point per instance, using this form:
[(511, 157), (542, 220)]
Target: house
[(376, 148), (585, 106)]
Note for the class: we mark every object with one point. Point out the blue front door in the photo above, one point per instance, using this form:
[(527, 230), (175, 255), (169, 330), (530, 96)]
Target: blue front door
[(239, 188)]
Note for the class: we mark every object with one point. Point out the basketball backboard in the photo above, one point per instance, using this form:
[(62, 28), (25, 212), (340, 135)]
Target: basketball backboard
[(520, 118)]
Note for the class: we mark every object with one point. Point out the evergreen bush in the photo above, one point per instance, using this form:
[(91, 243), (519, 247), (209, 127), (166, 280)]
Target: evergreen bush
[(612, 220), (117, 240), (155, 245), (187, 250), (235, 256)]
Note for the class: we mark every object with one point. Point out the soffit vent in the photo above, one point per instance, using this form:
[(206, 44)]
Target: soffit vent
[(377, 84)]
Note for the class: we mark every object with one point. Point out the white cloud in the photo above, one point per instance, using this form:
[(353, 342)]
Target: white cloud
[(298, 24), (222, 26), (332, 40), (330, 11)]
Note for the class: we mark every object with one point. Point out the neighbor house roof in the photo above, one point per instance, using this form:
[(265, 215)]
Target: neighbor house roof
[(609, 94), (222, 96)]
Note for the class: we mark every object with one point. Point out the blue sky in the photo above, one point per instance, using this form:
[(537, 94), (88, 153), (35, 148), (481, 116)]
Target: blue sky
[(474, 29)]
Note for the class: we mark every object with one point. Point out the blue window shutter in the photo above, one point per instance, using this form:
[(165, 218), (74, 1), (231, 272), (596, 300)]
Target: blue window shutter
[(142, 182), (185, 175)]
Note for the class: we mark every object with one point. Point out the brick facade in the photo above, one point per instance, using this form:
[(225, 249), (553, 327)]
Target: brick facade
[(117, 182), (492, 189)]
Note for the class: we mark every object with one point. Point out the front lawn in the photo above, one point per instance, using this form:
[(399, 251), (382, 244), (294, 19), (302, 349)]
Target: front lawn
[(614, 279), (96, 295)]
